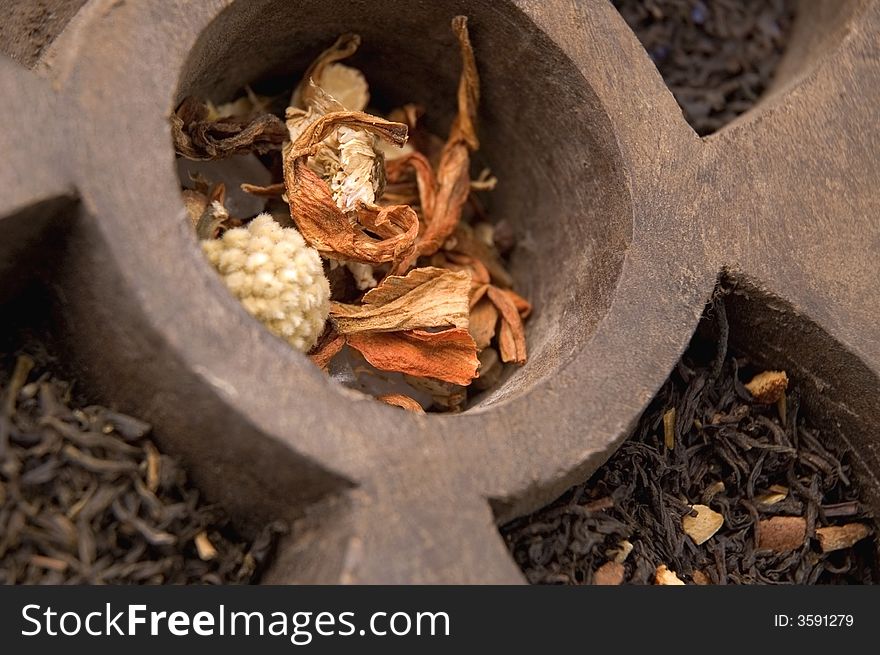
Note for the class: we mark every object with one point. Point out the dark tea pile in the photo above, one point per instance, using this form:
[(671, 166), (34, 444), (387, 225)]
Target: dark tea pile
[(86, 498), (721, 483), (356, 235), (716, 57)]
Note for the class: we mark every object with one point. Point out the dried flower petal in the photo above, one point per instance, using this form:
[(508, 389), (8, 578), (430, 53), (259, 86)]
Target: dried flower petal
[(511, 336), (196, 137), (322, 223), (424, 298), (450, 356), (442, 204), (329, 345), (404, 402), (483, 319)]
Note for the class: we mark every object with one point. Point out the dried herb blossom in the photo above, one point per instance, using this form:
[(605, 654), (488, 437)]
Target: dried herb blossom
[(389, 220), (789, 503)]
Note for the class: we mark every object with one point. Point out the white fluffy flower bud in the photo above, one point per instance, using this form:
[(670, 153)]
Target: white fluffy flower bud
[(278, 278)]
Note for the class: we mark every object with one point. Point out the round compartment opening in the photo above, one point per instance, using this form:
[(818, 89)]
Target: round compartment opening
[(543, 133)]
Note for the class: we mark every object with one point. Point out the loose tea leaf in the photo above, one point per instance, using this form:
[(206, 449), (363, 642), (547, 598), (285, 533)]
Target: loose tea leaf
[(774, 485), (86, 498)]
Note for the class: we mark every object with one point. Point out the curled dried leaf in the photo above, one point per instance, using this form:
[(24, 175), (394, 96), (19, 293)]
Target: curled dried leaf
[(197, 137), (423, 298), (449, 356)]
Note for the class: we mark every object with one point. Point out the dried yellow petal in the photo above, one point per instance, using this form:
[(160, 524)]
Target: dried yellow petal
[(423, 298)]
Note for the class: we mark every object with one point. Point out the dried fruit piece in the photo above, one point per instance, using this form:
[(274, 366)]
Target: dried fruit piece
[(704, 525), (782, 533), (609, 574), (776, 494), (768, 387), (442, 203), (511, 335), (483, 319), (423, 298), (838, 537), (663, 576)]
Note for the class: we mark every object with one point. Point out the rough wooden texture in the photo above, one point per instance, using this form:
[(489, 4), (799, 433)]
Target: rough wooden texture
[(628, 219)]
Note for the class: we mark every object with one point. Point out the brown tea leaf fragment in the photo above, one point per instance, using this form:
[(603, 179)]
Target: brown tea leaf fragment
[(838, 537), (423, 298), (450, 356), (768, 387), (663, 576), (483, 319), (402, 401), (782, 533), (704, 525), (199, 138), (511, 336), (609, 574)]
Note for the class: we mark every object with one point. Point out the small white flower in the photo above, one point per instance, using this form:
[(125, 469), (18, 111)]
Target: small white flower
[(278, 278)]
